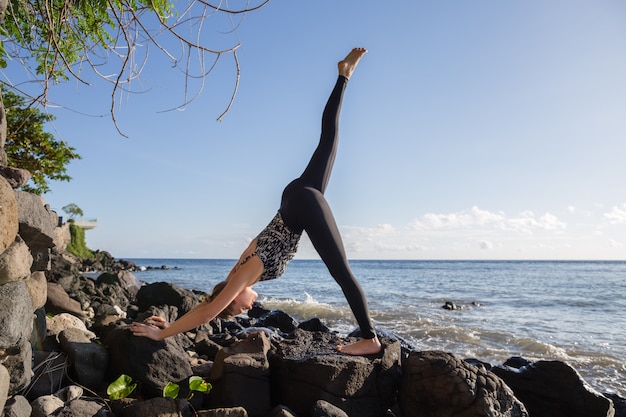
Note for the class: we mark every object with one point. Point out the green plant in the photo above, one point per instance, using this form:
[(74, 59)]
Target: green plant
[(122, 387), (196, 383), (77, 245), (30, 147), (171, 390), (72, 210), (55, 40)]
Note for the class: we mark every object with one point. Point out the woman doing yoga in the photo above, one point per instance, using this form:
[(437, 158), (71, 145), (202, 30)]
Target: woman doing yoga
[(303, 208)]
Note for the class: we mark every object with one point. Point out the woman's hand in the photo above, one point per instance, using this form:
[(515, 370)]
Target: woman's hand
[(150, 328), (157, 321)]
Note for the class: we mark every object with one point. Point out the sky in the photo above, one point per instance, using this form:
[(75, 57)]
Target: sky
[(471, 130)]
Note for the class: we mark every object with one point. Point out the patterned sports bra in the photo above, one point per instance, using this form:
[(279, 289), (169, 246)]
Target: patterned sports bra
[(276, 245)]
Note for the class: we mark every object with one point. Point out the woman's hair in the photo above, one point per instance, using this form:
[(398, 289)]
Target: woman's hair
[(228, 312)]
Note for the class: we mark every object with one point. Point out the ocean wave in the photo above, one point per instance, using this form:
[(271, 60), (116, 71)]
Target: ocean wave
[(440, 331), (535, 349), (307, 308)]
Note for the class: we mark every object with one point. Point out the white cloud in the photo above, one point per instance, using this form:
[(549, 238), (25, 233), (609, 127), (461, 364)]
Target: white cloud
[(397, 247), (476, 233), (617, 215), (478, 219), (385, 228), (485, 245)]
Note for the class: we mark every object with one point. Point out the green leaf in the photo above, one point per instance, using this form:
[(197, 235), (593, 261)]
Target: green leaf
[(171, 390), (196, 383), (121, 387), (30, 147)]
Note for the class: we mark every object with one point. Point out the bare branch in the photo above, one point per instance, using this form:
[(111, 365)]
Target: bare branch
[(119, 77), (123, 33), (221, 9), (232, 98)]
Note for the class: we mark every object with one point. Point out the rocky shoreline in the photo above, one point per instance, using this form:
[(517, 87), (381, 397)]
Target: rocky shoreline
[(64, 339)]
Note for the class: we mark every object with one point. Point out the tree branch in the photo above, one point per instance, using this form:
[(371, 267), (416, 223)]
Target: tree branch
[(59, 35)]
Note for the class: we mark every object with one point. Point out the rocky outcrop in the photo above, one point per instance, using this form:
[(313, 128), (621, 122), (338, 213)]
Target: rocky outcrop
[(152, 363), (552, 389), (162, 294), (8, 215), (307, 368), (69, 402), (36, 227), (16, 177), (266, 365), (438, 383), (26, 227)]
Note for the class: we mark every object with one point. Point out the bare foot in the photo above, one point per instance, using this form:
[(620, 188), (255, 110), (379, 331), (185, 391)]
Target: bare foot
[(348, 64), (362, 347)]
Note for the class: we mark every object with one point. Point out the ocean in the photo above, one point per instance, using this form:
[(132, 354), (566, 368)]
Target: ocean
[(572, 311)]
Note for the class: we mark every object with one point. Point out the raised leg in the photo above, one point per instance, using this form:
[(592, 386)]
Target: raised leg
[(317, 172)]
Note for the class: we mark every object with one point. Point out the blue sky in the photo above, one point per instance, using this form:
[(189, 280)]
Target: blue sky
[(471, 130)]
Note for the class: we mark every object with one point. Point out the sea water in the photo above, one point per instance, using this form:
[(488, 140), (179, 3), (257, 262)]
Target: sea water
[(572, 311)]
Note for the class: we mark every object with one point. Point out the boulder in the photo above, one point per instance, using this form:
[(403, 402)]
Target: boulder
[(41, 259), (151, 363), (123, 279), (68, 402), (241, 376), (86, 407), (16, 177), (438, 383), (281, 411), (16, 324), (16, 314), (279, 320), (15, 262), (314, 325), (89, 360), (554, 389), (116, 289), (62, 236), (19, 364), (4, 385), (56, 324), (37, 288), (230, 412), (64, 266), (36, 222), (325, 409), (60, 302), (307, 367), (161, 407), (8, 215), (17, 406), (107, 314), (206, 347), (3, 116), (47, 405), (165, 294)]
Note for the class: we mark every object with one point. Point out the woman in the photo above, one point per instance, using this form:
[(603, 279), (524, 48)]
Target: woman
[(303, 208)]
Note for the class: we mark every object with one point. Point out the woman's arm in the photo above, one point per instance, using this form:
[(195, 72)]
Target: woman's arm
[(238, 280), (248, 252)]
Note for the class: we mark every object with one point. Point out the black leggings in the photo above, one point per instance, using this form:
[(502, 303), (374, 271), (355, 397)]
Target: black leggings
[(303, 207)]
